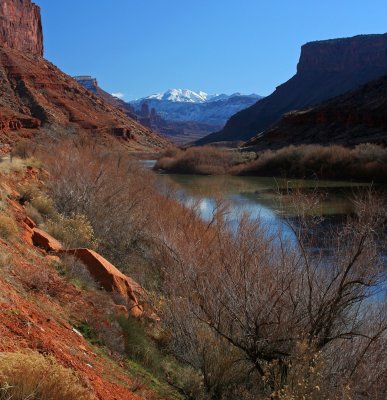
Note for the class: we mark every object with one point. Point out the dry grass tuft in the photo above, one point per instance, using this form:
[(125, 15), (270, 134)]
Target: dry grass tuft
[(8, 227), (32, 376)]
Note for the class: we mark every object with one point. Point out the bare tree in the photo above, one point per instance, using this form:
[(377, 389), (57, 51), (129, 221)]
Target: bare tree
[(266, 293)]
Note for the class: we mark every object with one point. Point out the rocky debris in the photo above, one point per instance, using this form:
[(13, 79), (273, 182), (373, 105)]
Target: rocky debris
[(45, 241), (356, 117), (110, 278), (21, 26), (326, 69)]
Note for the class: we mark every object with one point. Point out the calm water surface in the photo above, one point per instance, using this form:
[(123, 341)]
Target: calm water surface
[(261, 197)]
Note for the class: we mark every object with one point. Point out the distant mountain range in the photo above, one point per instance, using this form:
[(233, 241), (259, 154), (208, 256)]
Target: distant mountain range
[(326, 69), (183, 105)]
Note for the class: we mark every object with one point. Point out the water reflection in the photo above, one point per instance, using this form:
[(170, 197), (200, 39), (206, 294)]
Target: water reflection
[(262, 197)]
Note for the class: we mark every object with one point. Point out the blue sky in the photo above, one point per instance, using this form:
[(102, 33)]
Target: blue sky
[(139, 47)]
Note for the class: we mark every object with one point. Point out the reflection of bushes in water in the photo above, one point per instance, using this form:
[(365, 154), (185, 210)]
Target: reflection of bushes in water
[(33, 376)]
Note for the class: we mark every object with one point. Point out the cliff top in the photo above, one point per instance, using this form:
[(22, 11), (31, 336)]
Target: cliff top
[(21, 26)]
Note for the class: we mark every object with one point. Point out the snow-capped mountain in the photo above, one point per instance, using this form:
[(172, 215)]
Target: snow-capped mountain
[(180, 96), (187, 105)]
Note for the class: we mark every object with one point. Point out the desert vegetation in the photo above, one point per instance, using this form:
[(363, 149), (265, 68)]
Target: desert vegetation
[(244, 314), (199, 160), (32, 376), (365, 162)]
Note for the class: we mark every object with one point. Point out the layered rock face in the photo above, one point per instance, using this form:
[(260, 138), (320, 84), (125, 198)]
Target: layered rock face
[(356, 117), (21, 26), (326, 69), (36, 98)]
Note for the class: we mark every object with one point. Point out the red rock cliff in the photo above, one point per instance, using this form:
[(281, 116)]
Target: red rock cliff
[(326, 69), (343, 55), (21, 26)]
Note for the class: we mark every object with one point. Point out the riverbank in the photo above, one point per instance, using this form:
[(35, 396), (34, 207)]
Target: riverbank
[(365, 162)]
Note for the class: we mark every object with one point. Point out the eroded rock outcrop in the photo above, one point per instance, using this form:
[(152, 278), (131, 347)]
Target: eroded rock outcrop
[(21, 26), (105, 273), (326, 69), (110, 278), (45, 241)]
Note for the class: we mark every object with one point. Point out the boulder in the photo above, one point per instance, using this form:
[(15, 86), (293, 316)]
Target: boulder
[(28, 221), (44, 240), (110, 278)]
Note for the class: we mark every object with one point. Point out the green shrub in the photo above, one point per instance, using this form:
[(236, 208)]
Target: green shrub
[(8, 227), (89, 334), (44, 205), (31, 376), (139, 347), (74, 231)]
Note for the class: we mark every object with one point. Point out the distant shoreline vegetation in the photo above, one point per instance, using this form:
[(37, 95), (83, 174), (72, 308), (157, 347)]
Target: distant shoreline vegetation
[(365, 162)]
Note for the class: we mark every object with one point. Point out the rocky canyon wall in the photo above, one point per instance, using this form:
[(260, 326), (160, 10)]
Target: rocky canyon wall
[(21, 26)]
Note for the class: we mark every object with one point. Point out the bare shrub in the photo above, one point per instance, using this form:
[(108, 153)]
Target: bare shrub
[(24, 149), (264, 294), (32, 376), (77, 272), (8, 227), (198, 160), (106, 187), (364, 162), (37, 279), (250, 309)]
